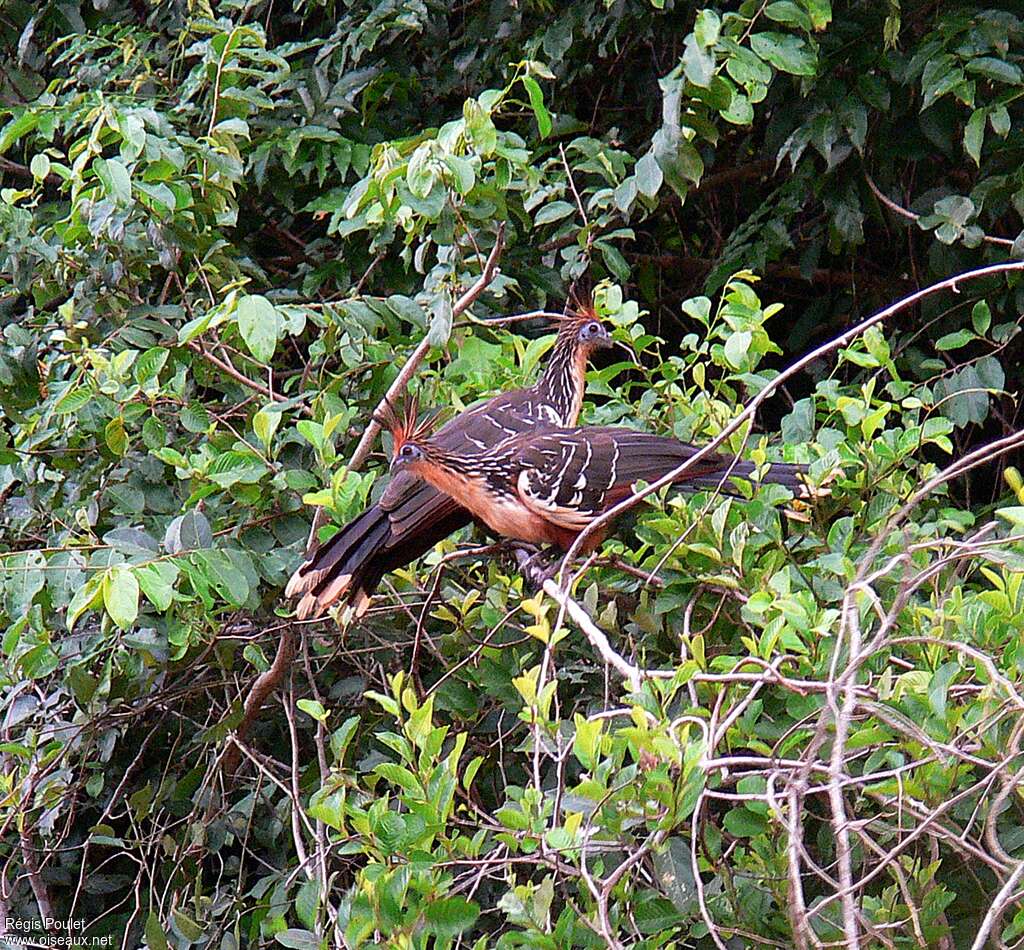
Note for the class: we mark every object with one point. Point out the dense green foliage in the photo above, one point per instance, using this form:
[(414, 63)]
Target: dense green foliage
[(225, 225)]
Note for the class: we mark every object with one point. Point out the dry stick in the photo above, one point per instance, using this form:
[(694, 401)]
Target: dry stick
[(998, 905), (268, 681), (914, 216), (397, 388), (841, 716), (236, 375), (264, 685), (632, 673), (797, 900), (35, 880)]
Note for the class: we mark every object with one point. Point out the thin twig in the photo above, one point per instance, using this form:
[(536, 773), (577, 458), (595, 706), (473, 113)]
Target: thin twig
[(913, 216), (750, 410), (397, 388)]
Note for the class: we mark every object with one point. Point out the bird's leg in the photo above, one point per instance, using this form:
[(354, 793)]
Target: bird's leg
[(534, 564), (524, 555)]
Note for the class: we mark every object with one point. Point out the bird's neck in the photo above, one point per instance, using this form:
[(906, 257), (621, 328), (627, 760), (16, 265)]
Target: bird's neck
[(459, 477), (564, 379)]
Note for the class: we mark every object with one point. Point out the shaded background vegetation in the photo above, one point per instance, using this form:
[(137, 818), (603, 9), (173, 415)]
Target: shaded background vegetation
[(225, 225)]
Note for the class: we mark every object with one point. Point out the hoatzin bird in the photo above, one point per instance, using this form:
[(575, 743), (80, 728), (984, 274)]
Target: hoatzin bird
[(412, 516), (545, 486)]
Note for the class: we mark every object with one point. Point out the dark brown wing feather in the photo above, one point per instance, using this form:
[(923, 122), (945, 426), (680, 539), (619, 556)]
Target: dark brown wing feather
[(571, 476), (411, 516)]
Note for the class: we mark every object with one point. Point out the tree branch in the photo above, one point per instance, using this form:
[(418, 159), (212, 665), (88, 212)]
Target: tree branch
[(398, 387), (914, 216), (268, 681), (750, 410), (230, 370)]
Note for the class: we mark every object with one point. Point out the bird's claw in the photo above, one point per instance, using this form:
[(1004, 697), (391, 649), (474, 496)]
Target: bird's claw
[(533, 565)]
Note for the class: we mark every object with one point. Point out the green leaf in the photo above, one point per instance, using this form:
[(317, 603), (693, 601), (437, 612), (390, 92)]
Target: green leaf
[(737, 348), (540, 112), (328, 805), (313, 708), (87, 597), (265, 424), (743, 823), (148, 366), (463, 171), (188, 532), (974, 135), (707, 27), (25, 577), (440, 321), (981, 317), (419, 173), (73, 399), (449, 917), (40, 166), (938, 688), (1014, 514), (116, 437), (785, 11), (553, 211), (157, 581), (195, 418), (260, 325), (785, 52), (820, 12), (999, 119), (307, 902), (298, 939), (186, 926), (121, 596), (220, 569), (953, 341), (649, 175), (156, 939), (940, 76), (16, 128), (698, 62), (1000, 70), (674, 871), (115, 178)]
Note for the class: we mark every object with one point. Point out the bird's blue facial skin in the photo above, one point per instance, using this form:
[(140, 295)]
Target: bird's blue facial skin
[(595, 334), (406, 456)]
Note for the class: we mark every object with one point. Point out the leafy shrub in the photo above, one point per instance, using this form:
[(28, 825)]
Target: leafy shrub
[(223, 228)]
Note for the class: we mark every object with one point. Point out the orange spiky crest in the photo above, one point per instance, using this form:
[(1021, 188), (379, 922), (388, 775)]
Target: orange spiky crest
[(405, 427), (579, 309)]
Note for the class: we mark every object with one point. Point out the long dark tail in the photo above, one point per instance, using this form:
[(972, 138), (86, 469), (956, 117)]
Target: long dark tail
[(787, 474), (332, 570), (648, 457), (349, 566)]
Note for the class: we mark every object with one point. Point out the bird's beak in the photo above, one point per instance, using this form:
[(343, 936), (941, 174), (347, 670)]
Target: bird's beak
[(605, 341)]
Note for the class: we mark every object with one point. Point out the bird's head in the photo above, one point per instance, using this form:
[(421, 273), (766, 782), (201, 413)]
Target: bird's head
[(582, 324), (592, 334), (410, 437), (587, 331)]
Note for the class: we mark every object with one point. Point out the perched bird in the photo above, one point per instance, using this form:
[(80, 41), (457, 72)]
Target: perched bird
[(412, 516), (546, 486)]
